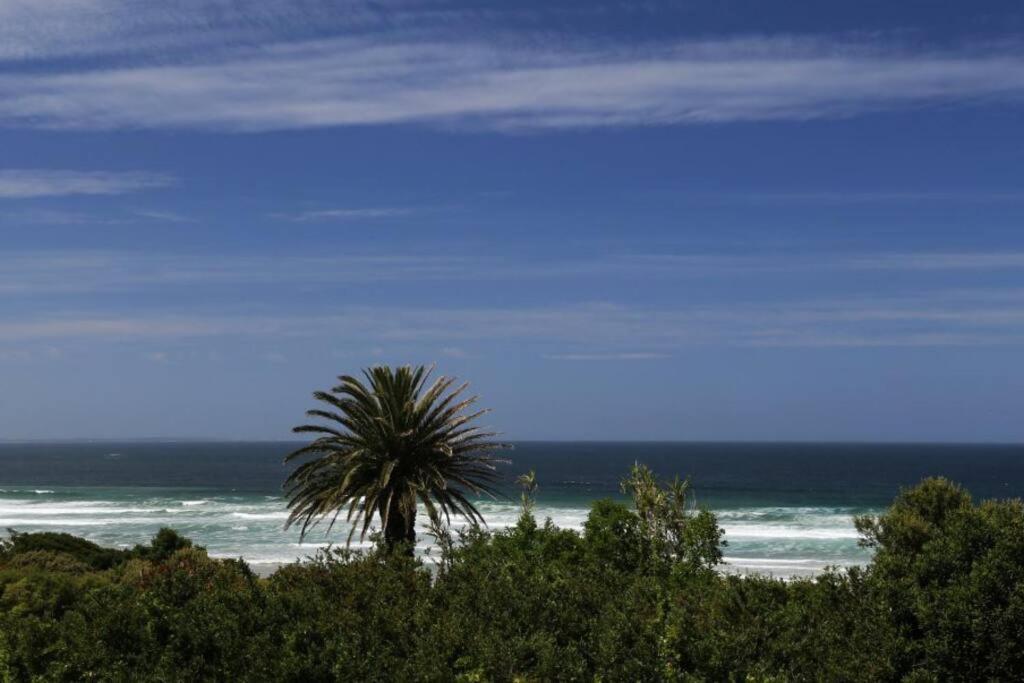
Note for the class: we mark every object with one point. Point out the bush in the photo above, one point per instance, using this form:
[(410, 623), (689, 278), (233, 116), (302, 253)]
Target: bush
[(633, 597), (951, 574), (46, 560), (345, 616), (85, 551), (163, 546)]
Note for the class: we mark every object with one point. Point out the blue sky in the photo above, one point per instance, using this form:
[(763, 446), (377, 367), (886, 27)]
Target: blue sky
[(697, 220)]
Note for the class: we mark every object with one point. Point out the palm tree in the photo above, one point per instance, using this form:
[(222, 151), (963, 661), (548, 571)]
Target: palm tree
[(528, 483), (389, 444)]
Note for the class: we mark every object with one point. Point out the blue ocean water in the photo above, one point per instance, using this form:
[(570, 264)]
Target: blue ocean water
[(786, 509)]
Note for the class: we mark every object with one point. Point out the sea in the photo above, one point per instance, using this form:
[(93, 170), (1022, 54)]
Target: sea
[(787, 508)]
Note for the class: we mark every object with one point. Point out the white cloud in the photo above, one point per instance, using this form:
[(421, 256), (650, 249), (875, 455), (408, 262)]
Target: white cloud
[(943, 197), (29, 183), (925, 316), (612, 331), (39, 272), (84, 271), (606, 356), (163, 216), (58, 29), (119, 327), (38, 215), (345, 214), (972, 260), (444, 79), (778, 339)]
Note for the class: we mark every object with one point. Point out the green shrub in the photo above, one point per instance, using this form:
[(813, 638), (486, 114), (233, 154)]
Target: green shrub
[(46, 560), (633, 597), (165, 543), (346, 616), (85, 551), (951, 574)]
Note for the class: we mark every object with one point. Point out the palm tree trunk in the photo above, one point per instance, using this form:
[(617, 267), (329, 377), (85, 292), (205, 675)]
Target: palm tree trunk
[(400, 529)]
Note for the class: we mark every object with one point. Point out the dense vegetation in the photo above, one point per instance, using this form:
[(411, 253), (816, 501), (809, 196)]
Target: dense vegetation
[(635, 596)]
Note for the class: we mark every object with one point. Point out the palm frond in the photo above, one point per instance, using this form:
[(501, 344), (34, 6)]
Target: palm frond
[(392, 439)]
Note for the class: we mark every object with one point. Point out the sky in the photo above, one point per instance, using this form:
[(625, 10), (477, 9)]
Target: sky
[(694, 220)]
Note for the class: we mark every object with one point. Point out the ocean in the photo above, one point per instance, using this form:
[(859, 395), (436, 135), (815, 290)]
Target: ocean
[(787, 508)]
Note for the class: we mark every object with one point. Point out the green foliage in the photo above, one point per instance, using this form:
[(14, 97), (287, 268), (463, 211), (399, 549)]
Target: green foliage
[(614, 536), (47, 561), (346, 617), (671, 529), (631, 598), (165, 544), (93, 555), (952, 575), (391, 444), (528, 483), (6, 675), (759, 628)]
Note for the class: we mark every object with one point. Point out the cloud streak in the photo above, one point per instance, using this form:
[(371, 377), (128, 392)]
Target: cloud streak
[(347, 214), (107, 29), (32, 183), (596, 331), (48, 272), (624, 356), (452, 81), (928, 317), (938, 261)]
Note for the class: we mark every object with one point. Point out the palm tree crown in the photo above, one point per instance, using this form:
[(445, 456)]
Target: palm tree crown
[(390, 443)]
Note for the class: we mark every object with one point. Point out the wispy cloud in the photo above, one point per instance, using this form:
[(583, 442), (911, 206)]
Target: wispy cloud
[(29, 183), (47, 272), (32, 353), (595, 331), (163, 216), (454, 352), (39, 215), (860, 197), (453, 80), (345, 214), (606, 356), (825, 340), (971, 260), (108, 29), (40, 272)]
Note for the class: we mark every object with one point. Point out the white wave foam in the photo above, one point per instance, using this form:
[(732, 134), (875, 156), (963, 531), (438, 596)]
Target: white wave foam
[(785, 568), (234, 525), (262, 560), (778, 561), (260, 515), (783, 531), (59, 510), (100, 521), (58, 522)]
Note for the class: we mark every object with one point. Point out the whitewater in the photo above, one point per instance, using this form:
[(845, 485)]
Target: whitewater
[(776, 540), (787, 509)]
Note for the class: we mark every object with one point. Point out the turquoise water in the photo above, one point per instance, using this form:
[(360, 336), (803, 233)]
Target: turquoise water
[(785, 509)]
